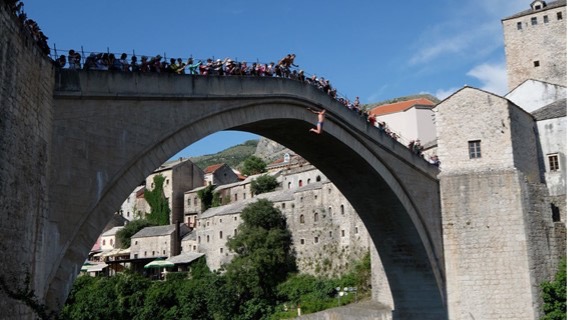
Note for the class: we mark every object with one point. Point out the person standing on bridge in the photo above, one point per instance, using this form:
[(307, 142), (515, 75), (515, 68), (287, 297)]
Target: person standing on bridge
[(321, 118)]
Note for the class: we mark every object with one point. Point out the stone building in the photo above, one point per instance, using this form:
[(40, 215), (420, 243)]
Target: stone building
[(157, 242), (327, 232), (218, 174), (108, 239), (499, 236), (535, 43), (180, 175), (131, 208), (411, 120)]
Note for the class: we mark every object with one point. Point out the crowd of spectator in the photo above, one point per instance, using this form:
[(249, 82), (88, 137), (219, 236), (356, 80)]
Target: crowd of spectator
[(17, 8)]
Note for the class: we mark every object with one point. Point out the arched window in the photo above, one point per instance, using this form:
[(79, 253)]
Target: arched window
[(318, 179), (309, 180), (301, 219), (342, 209), (207, 238), (300, 183), (289, 185), (316, 217), (220, 234)]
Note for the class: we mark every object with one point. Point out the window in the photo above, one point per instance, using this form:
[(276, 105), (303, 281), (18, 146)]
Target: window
[(331, 234), (301, 218), (221, 250), (316, 217), (235, 197), (300, 183), (553, 162), (342, 209), (235, 231), (474, 149), (208, 238), (537, 7), (199, 239), (519, 25), (283, 205), (111, 242), (136, 242), (545, 19), (356, 230), (559, 15), (316, 239), (195, 201), (301, 241), (164, 252), (309, 180), (136, 256), (555, 212), (534, 22), (289, 185), (194, 247), (104, 242), (220, 234), (244, 196), (318, 179), (536, 63), (167, 181), (343, 233)]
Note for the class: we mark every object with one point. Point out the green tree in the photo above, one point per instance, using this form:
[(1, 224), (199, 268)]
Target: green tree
[(253, 165), (264, 259), (264, 183), (123, 235), (554, 295), (206, 195), (160, 208)]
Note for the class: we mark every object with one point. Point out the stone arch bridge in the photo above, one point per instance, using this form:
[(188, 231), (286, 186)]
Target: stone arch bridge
[(111, 130)]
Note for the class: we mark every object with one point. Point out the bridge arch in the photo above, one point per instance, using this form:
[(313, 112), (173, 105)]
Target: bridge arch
[(111, 130)]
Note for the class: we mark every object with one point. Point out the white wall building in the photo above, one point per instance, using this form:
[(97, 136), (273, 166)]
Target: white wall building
[(411, 120)]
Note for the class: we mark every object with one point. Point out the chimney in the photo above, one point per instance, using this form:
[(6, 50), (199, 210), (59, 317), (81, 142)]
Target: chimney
[(177, 240)]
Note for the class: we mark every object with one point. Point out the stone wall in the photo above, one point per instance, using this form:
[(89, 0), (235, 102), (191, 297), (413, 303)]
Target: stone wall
[(543, 42), (26, 91), (499, 237)]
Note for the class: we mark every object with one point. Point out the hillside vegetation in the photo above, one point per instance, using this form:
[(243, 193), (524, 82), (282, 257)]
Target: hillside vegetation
[(232, 156)]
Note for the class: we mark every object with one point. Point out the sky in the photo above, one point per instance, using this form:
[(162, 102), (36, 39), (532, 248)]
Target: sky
[(376, 50)]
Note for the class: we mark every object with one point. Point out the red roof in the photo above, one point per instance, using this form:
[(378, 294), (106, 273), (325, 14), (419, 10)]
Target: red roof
[(212, 168), (400, 106)]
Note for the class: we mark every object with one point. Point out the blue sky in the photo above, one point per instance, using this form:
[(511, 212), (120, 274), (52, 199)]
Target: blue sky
[(376, 50)]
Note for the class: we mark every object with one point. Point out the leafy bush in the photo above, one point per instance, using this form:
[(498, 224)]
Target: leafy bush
[(554, 295), (264, 183)]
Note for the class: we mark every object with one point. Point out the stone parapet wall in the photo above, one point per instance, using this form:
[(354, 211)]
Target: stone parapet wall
[(26, 91)]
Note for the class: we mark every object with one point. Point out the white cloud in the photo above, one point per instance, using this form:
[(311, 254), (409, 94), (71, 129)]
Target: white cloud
[(444, 93), (493, 77)]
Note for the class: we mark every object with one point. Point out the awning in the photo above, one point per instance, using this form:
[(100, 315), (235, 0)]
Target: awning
[(159, 263), (94, 267), (185, 257)]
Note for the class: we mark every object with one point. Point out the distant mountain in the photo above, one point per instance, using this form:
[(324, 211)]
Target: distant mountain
[(232, 156), (399, 99)]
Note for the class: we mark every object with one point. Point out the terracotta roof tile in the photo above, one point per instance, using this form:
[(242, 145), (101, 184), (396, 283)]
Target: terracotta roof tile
[(212, 168), (400, 106)]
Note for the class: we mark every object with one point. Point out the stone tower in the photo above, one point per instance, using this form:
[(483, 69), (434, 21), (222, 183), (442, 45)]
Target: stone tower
[(535, 43)]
